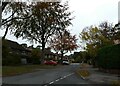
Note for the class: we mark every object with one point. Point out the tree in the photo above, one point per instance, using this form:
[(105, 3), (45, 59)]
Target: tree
[(47, 18), (11, 12), (93, 37), (96, 37), (107, 30), (36, 55), (116, 30), (80, 56), (64, 43), (4, 4)]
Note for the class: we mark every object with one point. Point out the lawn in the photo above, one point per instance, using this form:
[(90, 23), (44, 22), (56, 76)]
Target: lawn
[(15, 70)]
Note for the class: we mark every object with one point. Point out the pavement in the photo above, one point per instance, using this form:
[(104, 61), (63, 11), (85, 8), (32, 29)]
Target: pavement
[(99, 77)]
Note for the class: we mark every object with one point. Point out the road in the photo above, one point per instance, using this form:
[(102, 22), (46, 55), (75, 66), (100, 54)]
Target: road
[(62, 75)]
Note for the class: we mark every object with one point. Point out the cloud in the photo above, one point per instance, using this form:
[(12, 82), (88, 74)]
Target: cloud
[(88, 12)]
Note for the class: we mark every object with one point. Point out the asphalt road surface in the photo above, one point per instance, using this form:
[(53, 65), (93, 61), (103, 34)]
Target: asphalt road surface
[(62, 75)]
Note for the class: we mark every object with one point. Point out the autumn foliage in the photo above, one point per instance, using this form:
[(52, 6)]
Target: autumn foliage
[(64, 42)]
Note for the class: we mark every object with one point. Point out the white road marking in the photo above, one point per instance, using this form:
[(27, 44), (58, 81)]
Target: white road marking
[(51, 82), (64, 76), (57, 80), (75, 64), (60, 79)]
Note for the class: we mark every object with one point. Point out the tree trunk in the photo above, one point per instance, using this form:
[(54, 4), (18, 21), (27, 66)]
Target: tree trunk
[(43, 50), (61, 57), (42, 56), (4, 4), (5, 33)]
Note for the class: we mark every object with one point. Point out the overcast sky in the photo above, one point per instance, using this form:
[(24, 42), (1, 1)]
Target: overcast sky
[(86, 12)]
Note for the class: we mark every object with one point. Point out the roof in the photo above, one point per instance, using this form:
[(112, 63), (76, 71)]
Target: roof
[(13, 45), (47, 51)]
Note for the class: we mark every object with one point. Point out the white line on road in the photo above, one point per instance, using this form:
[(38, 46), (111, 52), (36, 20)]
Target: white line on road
[(45, 85), (60, 78), (64, 76), (57, 80), (51, 82)]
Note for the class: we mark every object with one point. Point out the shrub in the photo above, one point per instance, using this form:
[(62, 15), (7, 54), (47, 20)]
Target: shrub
[(11, 59), (36, 60), (109, 57)]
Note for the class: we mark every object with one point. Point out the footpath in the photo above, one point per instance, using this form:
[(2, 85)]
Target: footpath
[(98, 77)]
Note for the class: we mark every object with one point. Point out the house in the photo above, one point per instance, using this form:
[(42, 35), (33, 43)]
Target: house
[(15, 48), (48, 54), (65, 57), (25, 52), (24, 45)]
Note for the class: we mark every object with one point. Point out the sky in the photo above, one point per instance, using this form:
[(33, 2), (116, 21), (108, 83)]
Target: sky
[(87, 13)]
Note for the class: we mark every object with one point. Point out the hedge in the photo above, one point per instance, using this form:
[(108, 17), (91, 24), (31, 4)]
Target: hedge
[(109, 57), (11, 59)]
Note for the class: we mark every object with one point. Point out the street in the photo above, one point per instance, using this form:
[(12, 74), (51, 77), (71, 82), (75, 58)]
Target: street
[(62, 75)]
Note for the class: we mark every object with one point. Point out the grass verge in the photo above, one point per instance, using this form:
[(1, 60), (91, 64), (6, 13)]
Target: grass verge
[(16, 70), (115, 83), (83, 73)]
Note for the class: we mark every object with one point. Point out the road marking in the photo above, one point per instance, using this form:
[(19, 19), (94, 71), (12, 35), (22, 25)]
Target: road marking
[(60, 79), (64, 76), (51, 82), (57, 80), (45, 85), (75, 64)]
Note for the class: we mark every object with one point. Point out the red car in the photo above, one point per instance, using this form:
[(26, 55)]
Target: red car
[(50, 62)]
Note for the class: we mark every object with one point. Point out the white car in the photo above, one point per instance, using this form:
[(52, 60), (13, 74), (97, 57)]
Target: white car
[(66, 62)]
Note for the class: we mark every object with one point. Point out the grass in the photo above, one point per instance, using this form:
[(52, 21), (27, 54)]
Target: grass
[(15, 70), (83, 73), (115, 83)]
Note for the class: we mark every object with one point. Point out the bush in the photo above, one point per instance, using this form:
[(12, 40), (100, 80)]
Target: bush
[(12, 59), (9, 58), (36, 60), (109, 57)]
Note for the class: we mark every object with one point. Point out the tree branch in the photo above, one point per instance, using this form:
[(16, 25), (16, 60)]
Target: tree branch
[(4, 4), (15, 18)]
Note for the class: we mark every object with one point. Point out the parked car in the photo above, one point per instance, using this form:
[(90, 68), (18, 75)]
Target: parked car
[(50, 62), (65, 62)]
